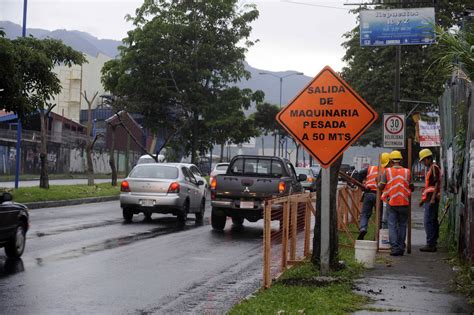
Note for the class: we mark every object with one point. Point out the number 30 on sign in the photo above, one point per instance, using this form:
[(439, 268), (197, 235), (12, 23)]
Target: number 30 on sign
[(394, 130)]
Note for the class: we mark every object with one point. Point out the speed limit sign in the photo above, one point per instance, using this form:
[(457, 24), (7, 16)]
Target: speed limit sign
[(394, 130)]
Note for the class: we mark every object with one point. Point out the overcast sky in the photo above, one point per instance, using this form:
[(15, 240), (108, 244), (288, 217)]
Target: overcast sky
[(301, 35)]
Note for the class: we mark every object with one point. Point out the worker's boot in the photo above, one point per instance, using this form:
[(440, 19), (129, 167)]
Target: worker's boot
[(361, 235), (427, 248)]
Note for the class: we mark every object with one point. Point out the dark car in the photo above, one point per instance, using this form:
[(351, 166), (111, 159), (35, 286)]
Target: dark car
[(248, 182), (14, 223), (310, 182)]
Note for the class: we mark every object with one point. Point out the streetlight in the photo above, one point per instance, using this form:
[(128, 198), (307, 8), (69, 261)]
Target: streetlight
[(281, 77)]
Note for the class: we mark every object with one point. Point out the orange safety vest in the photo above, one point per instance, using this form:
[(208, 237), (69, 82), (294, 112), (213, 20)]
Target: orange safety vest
[(371, 179), (431, 189), (384, 195), (398, 186)]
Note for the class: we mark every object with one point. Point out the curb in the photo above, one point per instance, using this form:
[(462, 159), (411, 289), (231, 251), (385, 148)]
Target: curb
[(72, 202)]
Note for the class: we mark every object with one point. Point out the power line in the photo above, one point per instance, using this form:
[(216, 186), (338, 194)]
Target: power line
[(378, 2), (315, 5)]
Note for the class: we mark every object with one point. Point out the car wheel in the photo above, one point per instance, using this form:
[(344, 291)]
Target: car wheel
[(217, 220), (15, 247), (238, 221), (127, 215), (183, 214), (200, 214), (147, 216)]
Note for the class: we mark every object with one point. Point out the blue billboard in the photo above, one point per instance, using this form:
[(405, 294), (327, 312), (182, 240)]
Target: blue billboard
[(397, 27)]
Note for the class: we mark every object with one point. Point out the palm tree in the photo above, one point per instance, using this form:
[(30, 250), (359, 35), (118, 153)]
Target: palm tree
[(456, 51)]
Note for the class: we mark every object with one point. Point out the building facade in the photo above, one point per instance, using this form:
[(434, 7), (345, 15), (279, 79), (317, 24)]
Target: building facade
[(77, 79)]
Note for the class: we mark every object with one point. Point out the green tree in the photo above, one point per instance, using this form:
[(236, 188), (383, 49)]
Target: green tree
[(265, 121), (456, 51), (27, 82), (226, 120), (176, 61), (371, 70), (26, 75)]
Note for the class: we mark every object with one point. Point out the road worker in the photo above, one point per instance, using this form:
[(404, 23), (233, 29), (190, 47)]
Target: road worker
[(369, 178), (386, 163), (430, 200), (396, 182)]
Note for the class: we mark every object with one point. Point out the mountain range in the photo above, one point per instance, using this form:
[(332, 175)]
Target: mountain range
[(91, 45)]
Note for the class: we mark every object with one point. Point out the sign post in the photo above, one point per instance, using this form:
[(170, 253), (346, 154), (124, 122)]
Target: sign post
[(394, 130), (325, 219), (326, 117)]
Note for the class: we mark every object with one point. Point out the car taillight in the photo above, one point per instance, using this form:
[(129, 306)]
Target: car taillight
[(174, 188), (213, 195), (281, 187), (213, 184), (310, 179), (125, 187)]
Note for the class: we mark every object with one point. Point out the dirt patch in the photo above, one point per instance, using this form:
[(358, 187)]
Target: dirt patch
[(314, 281)]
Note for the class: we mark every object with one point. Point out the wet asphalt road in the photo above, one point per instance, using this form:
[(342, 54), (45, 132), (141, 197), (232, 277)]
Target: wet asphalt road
[(84, 259)]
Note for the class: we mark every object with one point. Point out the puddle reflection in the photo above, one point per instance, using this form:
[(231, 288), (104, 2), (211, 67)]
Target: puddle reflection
[(10, 266)]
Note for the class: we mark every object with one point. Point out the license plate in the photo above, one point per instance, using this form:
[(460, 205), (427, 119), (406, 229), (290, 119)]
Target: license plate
[(246, 204), (148, 203)]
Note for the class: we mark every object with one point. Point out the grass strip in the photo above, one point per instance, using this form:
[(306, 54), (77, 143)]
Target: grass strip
[(63, 192), (336, 298)]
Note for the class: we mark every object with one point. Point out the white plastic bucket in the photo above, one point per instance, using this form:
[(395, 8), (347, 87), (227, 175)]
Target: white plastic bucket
[(365, 252), (384, 242)]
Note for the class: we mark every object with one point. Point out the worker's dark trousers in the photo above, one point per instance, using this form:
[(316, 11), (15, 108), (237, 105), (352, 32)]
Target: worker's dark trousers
[(369, 201), (431, 223), (397, 227)]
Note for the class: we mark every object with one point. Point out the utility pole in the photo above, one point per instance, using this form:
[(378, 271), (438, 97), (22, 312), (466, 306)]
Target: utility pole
[(398, 57), (19, 126), (280, 145)]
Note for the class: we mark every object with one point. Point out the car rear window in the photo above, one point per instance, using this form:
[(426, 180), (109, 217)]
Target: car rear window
[(222, 167), (306, 171), (257, 167), (146, 160), (154, 171)]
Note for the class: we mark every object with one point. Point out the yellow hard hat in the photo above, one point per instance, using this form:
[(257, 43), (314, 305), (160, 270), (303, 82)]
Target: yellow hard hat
[(425, 153), (396, 155), (384, 159)]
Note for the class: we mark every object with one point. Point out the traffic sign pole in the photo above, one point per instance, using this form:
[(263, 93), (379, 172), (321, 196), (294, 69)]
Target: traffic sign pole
[(325, 220)]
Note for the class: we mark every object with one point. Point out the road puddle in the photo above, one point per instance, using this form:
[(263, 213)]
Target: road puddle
[(172, 227), (10, 267), (75, 228)]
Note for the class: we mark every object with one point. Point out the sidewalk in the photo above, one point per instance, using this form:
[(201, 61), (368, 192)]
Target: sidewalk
[(414, 283)]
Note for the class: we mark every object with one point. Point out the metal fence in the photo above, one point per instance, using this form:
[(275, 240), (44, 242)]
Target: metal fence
[(66, 153), (457, 142)]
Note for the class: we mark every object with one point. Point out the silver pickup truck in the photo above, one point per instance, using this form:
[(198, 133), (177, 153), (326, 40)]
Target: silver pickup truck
[(250, 180)]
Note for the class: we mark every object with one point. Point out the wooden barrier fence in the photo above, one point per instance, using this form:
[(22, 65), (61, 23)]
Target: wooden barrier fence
[(294, 214), (348, 211)]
